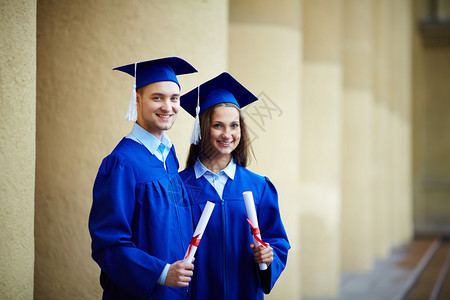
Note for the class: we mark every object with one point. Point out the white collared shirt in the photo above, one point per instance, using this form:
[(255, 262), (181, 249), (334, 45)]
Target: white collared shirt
[(150, 142), (218, 180)]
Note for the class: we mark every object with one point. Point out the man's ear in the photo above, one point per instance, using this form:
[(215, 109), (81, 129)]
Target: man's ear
[(138, 98)]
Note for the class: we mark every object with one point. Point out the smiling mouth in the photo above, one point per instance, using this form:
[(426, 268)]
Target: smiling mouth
[(164, 116), (225, 143)]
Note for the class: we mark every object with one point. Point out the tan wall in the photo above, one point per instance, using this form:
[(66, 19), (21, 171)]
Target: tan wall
[(17, 147), (265, 55), (81, 105)]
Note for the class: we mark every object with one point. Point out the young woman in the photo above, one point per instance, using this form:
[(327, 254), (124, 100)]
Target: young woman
[(226, 264)]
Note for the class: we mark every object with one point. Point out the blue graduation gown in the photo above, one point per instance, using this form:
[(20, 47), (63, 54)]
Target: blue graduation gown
[(140, 220), (224, 265)]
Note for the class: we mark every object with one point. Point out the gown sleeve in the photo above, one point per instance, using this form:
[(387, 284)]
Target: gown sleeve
[(110, 221), (272, 232)]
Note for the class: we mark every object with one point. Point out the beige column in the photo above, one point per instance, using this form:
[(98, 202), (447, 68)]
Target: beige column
[(81, 106), (357, 136), (17, 147), (401, 42), (395, 143), (264, 54), (382, 129), (321, 148), (393, 203)]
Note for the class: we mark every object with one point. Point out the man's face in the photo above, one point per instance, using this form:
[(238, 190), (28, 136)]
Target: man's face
[(158, 104)]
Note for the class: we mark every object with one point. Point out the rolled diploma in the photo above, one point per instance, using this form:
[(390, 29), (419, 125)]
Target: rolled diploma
[(251, 213), (201, 226)]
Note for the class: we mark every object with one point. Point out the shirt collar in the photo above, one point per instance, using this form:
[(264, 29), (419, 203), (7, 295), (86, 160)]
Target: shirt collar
[(149, 140), (229, 170)]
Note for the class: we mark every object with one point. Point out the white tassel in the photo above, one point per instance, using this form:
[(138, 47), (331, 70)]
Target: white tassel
[(196, 134), (132, 107)]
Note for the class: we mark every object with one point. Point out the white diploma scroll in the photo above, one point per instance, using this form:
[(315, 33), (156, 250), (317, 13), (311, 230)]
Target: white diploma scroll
[(198, 233), (251, 213)]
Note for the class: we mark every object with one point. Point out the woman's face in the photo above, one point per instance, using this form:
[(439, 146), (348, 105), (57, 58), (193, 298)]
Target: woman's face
[(225, 130)]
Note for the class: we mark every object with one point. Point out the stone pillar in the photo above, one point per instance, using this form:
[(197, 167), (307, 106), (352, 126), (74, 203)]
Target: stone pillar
[(401, 44), (357, 136), (17, 147), (264, 54), (81, 104), (382, 200), (321, 148), (392, 206), (394, 97)]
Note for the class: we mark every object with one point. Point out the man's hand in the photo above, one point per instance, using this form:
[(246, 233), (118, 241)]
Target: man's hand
[(179, 274), (262, 254)]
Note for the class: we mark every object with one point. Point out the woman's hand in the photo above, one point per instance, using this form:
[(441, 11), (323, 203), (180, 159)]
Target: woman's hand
[(262, 254)]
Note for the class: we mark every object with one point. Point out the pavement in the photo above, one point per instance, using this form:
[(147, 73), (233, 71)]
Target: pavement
[(409, 272)]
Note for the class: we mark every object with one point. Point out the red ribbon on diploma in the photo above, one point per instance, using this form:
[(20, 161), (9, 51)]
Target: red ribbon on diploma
[(194, 242), (255, 231)]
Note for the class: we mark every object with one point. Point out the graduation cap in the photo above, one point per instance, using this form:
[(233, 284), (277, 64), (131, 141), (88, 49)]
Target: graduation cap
[(221, 89), (146, 72)]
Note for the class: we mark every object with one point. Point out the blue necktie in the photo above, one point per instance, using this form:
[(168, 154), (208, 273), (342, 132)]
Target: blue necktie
[(161, 148)]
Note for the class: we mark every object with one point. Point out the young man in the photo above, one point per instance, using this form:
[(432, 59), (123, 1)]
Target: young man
[(140, 221)]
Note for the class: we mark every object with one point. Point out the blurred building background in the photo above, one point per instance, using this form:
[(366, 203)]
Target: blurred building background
[(352, 126)]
